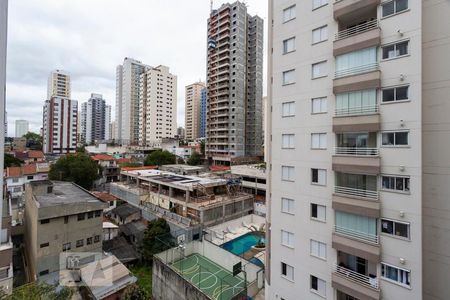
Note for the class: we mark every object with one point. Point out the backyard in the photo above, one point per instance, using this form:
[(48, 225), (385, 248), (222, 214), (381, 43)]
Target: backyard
[(143, 273)]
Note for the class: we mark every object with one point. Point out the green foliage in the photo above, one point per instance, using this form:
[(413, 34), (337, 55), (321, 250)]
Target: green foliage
[(133, 292), (130, 165), (11, 161), (31, 136), (157, 238), (195, 159), (159, 158), (78, 168), (143, 272), (40, 291), (81, 149)]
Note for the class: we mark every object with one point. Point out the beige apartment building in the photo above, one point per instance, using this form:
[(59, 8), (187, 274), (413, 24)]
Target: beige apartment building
[(58, 84), (59, 217), (358, 150), (193, 95)]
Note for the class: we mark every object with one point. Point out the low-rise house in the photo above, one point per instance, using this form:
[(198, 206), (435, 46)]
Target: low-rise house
[(109, 199), (125, 213), (134, 232), (109, 170), (59, 217), (19, 144), (110, 231), (30, 156)]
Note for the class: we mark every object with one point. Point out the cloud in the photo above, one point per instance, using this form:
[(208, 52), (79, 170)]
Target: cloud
[(90, 38)]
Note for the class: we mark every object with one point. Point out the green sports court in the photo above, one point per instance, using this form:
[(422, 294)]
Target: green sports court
[(209, 277)]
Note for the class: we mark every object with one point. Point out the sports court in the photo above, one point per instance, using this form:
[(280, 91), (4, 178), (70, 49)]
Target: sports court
[(209, 277)]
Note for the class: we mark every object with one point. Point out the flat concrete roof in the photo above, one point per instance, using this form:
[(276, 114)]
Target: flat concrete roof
[(183, 167), (63, 193)]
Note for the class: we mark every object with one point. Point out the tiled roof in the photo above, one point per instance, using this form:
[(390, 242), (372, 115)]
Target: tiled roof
[(102, 157), (139, 168), (27, 170), (123, 160), (218, 168), (29, 154), (105, 197)]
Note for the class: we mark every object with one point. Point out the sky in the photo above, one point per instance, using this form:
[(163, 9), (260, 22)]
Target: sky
[(89, 38)]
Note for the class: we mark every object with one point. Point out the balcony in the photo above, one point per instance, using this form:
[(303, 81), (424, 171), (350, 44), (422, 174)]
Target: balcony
[(356, 243), (357, 119), (357, 78), (345, 9), (356, 160), (360, 193), (355, 284), (361, 36)]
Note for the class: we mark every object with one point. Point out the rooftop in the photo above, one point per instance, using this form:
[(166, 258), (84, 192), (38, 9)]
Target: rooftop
[(29, 154), (184, 167), (104, 196), (125, 210), (102, 157), (27, 170)]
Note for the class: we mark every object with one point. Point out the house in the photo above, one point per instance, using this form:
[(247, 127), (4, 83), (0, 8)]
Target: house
[(109, 170), (110, 231), (30, 156), (111, 200), (125, 213), (134, 232), (19, 144)]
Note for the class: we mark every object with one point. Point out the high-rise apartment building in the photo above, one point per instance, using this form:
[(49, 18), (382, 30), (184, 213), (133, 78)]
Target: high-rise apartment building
[(358, 150), (60, 125), (58, 84), (127, 100), (22, 127), (234, 82), (95, 119), (203, 112), (157, 106), (193, 98)]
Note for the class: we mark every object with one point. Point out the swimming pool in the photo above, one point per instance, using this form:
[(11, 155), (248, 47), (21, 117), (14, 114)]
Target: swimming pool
[(244, 243)]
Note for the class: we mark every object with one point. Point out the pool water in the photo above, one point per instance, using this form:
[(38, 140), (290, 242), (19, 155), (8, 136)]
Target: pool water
[(244, 243)]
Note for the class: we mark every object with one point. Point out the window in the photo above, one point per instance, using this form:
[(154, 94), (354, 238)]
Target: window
[(44, 245), (90, 215), (289, 13), (288, 141), (319, 105), (318, 141), (357, 102), (288, 109), (399, 138), (319, 70), (395, 50), (318, 249), (89, 241), (42, 273), (80, 243), (15, 180), (319, 176), (66, 219), (29, 177), (400, 276), (356, 62), (67, 247), (287, 173), (96, 239), (394, 7), (395, 228), (318, 212), (318, 286), (289, 45), (287, 271), (320, 34), (289, 77), (399, 93), (395, 183), (287, 205), (362, 227), (319, 3), (45, 221), (287, 238), (81, 216), (98, 213)]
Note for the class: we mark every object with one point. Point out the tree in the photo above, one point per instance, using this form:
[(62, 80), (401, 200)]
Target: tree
[(133, 292), (81, 149), (34, 140), (40, 291), (159, 158), (78, 168), (195, 159), (157, 238), (11, 161), (130, 165)]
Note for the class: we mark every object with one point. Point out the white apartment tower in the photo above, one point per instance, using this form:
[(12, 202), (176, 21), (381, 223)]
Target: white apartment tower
[(157, 106), (127, 100), (60, 125), (95, 119), (58, 84), (193, 95), (22, 127), (234, 83), (358, 150)]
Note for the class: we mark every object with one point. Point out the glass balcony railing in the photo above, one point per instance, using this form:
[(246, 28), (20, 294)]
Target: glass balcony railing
[(361, 28), (358, 235), (357, 70), (357, 110)]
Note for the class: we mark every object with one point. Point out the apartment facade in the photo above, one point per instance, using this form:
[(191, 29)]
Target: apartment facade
[(157, 106), (58, 84), (127, 100), (59, 217), (22, 127), (203, 112), (60, 125), (192, 120), (234, 83), (95, 119), (356, 185)]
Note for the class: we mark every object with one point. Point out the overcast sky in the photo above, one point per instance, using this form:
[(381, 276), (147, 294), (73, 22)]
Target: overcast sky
[(89, 38)]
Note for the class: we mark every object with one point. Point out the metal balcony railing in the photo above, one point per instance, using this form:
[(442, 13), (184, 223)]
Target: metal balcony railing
[(357, 70), (356, 151), (361, 28), (356, 277), (358, 110), (356, 192), (357, 235)]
